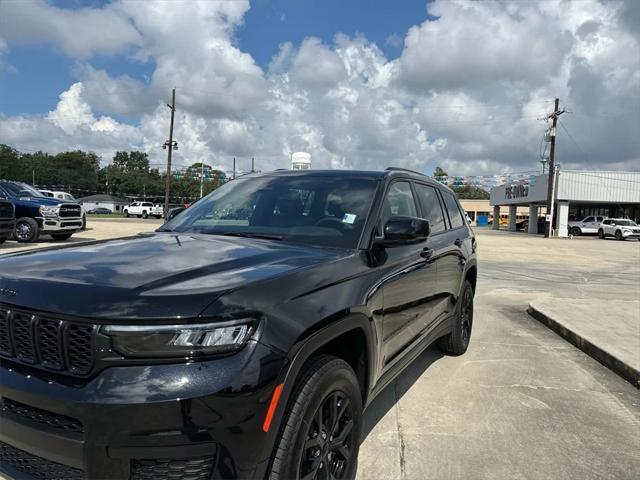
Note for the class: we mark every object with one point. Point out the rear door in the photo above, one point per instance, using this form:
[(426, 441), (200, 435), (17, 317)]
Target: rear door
[(457, 247)]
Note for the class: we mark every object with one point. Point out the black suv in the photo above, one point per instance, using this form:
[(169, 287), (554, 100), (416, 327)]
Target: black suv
[(7, 219), (241, 340)]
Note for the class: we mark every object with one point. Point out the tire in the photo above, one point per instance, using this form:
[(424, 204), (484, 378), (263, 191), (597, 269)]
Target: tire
[(2, 240), (601, 234), (324, 382), (457, 342), (145, 214), (27, 230), (619, 235), (576, 232), (84, 222), (61, 236), (125, 213)]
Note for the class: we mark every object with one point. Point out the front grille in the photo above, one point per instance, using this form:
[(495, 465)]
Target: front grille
[(70, 210), (57, 345), (172, 469), (37, 467), (6, 210), (17, 410)]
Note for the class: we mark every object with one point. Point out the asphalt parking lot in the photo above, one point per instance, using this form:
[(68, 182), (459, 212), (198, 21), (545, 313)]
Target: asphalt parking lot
[(522, 403)]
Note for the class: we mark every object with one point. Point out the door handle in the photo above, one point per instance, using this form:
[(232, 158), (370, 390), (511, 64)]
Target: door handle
[(458, 242), (426, 252)]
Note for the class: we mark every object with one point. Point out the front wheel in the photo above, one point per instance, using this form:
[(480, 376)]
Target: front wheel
[(320, 436), (619, 235), (576, 232), (125, 214), (61, 236), (601, 234), (2, 240), (84, 222), (27, 230), (145, 214), (457, 342)]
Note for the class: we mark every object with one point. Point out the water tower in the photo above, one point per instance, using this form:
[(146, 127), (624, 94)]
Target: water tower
[(300, 161)]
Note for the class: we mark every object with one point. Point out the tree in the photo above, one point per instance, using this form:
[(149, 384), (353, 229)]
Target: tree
[(439, 172), (131, 161)]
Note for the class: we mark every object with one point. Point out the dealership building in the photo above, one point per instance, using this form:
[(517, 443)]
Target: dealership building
[(576, 194)]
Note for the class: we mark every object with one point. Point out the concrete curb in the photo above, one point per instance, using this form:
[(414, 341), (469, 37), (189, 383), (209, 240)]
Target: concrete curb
[(613, 363)]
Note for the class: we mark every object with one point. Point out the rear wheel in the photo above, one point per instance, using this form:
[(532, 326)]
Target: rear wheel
[(320, 436), (619, 235), (576, 232), (601, 233), (61, 236), (145, 214), (457, 342), (125, 214), (27, 230)]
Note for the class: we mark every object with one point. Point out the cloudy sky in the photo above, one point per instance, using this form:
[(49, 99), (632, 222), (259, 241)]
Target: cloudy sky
[(357, 83)]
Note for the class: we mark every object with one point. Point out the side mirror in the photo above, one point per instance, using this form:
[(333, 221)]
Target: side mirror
[(403, 231), (173, 212)]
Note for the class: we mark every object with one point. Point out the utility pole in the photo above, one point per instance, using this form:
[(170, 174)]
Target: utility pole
[(171, 144), (234, 169), (253, 165), (201, 178), (552, 169)]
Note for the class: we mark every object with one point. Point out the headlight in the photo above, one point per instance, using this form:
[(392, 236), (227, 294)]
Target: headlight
[(180, 340), (626, 231), (49, 211)]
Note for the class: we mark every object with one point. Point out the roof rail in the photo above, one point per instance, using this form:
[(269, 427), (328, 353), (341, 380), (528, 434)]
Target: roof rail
[(400, 169)]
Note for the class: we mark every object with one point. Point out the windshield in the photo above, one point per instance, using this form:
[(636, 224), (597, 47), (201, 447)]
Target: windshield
[(318, 210), (17, 189), (625, 223)]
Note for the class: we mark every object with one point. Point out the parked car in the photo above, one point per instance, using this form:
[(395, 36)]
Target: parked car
[(243, 348), (143, 210), (588, 225), (100, 211), (67, 197), (524, 225), (7, 219), (620, 228), (36, 214)]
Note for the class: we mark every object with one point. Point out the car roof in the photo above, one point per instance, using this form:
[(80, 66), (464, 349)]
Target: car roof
[(391, 172)]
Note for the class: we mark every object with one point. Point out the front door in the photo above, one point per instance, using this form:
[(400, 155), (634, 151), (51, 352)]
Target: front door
[(409, 280)]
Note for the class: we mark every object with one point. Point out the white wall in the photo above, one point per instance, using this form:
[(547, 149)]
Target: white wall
[(588, 186)]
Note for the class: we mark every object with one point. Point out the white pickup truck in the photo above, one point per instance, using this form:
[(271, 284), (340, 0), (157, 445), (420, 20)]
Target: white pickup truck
[(143, 210)]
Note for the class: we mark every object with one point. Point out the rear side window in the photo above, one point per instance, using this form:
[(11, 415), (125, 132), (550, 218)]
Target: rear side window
[(455, 216), (431, 208)]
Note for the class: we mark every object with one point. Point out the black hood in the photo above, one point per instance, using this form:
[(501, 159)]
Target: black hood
[(162, 275)]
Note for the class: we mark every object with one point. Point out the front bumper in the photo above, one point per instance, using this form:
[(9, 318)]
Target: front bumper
[(56, 224), (630, 234), (199, 420)]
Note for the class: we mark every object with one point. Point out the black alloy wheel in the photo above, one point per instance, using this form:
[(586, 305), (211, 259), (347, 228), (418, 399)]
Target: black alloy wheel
[(328, 446), (576, 232), (601, 234), (457, 342), (319, 437), (619, 235), (26, 231), (145, 214)]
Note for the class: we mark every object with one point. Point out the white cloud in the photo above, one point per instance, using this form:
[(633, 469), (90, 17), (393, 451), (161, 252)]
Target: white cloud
[(466, 91)]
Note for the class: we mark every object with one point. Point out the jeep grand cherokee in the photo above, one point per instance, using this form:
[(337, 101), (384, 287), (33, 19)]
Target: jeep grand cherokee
[(241, 340)]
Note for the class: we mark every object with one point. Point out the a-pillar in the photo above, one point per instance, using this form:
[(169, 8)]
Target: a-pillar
[(533, 218), (496, 217), (513, 211), (563, 219)]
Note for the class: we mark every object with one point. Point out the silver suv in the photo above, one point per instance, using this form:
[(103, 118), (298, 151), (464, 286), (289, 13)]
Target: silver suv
[(620, 228)]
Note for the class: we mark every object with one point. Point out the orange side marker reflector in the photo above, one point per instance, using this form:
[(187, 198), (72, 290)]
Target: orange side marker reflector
[(272, 408)]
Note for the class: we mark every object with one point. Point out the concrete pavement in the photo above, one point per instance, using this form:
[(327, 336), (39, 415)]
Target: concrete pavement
[(522, 403)]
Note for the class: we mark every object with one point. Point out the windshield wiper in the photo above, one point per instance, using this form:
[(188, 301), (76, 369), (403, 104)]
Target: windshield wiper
[(252, 235)]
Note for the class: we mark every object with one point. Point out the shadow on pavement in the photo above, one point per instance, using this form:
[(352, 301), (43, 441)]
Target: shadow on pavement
[(393, 392)]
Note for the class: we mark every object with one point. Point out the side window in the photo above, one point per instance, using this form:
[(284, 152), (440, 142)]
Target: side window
[(588, 219), (431, 208), (398, 202), (455, 216)]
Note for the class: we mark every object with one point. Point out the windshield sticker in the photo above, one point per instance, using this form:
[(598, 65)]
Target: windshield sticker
[(349, 218)]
